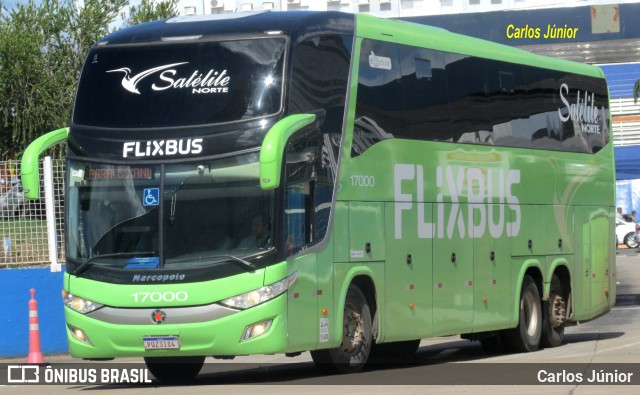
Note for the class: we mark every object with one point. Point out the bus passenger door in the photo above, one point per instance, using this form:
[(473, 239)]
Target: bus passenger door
[(453, 274), (591, 263), (600, 236), (302, 304)]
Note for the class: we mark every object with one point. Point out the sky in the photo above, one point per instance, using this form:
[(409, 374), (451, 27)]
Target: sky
[(10, 3)]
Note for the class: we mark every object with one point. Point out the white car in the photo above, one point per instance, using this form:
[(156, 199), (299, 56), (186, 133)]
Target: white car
[(626, 233)]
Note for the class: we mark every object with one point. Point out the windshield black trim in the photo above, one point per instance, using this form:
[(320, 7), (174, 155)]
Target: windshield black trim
[(158, 162), (106, 145), (113, 275)]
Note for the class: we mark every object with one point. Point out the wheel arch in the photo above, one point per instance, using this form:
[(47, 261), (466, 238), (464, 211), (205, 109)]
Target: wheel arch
[(560, 268), (363, 278)]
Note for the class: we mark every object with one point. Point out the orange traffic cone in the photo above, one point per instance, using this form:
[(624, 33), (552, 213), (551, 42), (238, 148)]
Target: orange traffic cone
[(35, 355)]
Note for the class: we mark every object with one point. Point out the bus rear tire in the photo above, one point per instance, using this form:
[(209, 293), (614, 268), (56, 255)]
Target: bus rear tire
[(353, 353), (554, 317), (526, 336), (174, 369)]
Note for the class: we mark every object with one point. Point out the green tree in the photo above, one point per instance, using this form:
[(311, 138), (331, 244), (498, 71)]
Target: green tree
[(42, 47), (150, 10)]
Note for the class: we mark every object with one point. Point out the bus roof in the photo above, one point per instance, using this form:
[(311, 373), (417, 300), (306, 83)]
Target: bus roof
[(298, 24), (440, 39), (295, 24)]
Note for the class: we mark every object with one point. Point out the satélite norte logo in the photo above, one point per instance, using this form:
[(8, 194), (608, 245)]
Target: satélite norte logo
[(582, 112), (167, 77)]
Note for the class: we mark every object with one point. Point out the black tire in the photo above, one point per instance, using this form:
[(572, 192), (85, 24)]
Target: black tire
[(174, 369), (553, 319), (353, 353), (630, 240), (394, 350), (525, 337)]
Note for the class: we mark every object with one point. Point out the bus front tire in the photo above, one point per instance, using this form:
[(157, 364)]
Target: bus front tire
[(353, 353), (174, 369), (526, 336)]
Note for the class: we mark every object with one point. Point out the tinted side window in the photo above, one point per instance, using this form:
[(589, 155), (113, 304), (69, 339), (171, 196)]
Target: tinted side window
[(379, 108), (583, 108), (424, 82), (509, 104), (442, 96), (319, 78), (469, 100), (548, 131), (320, 71)]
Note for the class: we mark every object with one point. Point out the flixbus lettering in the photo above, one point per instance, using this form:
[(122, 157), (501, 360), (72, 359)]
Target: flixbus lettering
[(162, 147), (484, 190)]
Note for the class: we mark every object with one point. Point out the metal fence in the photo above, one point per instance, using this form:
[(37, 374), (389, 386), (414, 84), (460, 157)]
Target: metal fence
[(23, 222), (626, 121)]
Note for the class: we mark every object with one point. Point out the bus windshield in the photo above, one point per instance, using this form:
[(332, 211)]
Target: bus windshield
[(180, 84), (190, 214)]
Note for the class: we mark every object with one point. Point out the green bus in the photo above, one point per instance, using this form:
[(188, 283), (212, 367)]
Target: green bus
[(284, 182)]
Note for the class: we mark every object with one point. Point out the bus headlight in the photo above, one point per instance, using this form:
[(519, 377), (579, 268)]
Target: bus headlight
[(79, 304), (261, 295)]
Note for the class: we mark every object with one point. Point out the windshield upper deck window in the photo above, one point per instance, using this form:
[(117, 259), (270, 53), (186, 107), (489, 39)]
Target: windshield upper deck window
[(181, 84)]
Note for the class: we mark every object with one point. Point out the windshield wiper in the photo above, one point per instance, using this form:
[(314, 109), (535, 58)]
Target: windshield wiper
[(83, 267), (229, 258), (241, 261)]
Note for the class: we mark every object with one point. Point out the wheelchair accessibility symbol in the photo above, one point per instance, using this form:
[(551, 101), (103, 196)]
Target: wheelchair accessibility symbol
[(151, 197)]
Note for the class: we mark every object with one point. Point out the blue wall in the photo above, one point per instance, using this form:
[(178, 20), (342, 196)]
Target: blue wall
[(14, 313), (621, 78)]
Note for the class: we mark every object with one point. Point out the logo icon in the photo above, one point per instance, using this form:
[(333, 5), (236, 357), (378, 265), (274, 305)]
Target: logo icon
[(19, 374), (158, 316)]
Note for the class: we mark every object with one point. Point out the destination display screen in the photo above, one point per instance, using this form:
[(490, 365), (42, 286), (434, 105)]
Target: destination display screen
[(120, 173)]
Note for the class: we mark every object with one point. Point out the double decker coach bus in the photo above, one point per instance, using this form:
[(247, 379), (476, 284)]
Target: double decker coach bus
[(327, 182)]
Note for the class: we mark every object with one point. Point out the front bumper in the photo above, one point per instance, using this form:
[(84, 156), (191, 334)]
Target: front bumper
[(221, 335)]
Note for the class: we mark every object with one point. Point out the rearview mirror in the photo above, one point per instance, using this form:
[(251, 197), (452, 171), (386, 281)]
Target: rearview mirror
[(272, 151), (29, 165)]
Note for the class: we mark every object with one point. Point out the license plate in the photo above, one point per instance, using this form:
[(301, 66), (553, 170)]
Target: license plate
[(160, 342)]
